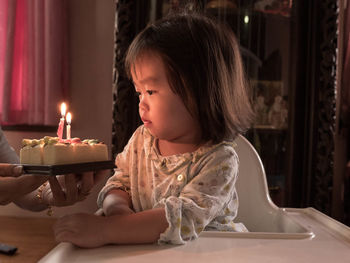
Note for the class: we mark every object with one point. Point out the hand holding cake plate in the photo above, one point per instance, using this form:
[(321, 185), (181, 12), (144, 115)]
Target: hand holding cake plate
[(70, 188), (73, 166), (54, 171), (13, 185)]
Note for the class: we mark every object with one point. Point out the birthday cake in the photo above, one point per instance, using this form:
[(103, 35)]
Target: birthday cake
[(52, 150)]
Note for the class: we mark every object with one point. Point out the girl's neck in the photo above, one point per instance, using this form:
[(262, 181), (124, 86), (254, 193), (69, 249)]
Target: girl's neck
[(167, 148)]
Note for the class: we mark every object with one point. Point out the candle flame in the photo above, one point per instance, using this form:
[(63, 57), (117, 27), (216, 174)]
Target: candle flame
[(69, 118), (63, 109)]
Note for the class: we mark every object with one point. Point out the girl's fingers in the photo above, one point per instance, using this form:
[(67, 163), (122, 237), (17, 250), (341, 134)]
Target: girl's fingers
[(64, 236), (63, 231), (99, 212)]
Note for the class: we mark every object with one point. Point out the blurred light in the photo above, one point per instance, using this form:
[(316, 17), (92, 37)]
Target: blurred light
[(246, 19)]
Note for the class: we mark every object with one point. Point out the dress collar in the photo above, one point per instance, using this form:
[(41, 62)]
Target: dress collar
[(151, 150)]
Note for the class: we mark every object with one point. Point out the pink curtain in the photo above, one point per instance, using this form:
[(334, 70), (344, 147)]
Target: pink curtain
[(33, 60)]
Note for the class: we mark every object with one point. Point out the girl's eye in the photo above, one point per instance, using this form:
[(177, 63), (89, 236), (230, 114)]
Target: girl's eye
[(150, 92), (137, 94)]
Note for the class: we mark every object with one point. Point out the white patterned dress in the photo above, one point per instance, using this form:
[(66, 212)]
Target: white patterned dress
[(197, 190)]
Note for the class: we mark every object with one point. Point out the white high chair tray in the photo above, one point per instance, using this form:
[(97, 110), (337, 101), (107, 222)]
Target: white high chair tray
[(327, 241)]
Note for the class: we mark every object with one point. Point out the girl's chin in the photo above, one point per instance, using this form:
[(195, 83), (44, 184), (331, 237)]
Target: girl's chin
[(150, 130), (147, 124)]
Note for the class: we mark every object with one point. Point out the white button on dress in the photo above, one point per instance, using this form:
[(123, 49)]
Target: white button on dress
[(180, 177)]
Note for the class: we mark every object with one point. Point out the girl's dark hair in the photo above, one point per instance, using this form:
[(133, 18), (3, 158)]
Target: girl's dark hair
[(204, 67)]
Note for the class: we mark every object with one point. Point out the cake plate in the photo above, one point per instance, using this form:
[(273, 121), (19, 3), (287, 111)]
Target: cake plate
[(59, 169)]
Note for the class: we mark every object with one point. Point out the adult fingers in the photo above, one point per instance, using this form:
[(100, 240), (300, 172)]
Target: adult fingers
[(10, 170), (58, 195), (101, 175), (87, 182), (71, 188), (28, 183)]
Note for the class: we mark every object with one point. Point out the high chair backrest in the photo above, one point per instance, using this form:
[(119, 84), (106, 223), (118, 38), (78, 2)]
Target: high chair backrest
[(255, 204), (256, 209)]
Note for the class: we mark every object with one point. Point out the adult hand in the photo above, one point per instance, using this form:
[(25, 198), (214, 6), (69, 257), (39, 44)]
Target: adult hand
[(68, 189), (13, 186)]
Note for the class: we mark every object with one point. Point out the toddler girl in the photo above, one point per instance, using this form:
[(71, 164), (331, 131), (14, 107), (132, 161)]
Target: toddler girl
[(176, 176)]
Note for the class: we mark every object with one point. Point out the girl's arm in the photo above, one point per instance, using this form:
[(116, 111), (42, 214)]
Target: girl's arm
[(117, 202), (93, 231), (142, 227)]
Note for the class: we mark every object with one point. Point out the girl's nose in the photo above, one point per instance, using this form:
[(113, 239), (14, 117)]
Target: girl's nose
[(143, 104)]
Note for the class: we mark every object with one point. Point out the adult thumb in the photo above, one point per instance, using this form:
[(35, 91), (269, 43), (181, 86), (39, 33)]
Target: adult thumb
[(12, 170)]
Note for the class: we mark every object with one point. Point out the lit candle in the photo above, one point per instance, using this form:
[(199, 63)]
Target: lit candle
[(69, 120), (61, 124)]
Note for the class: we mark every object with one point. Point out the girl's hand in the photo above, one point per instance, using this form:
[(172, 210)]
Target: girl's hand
[(83, 230)]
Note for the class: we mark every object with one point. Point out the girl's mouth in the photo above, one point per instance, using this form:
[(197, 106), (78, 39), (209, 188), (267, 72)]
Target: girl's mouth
[(146, 122)]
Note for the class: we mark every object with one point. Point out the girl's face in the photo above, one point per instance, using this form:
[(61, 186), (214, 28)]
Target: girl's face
[(161, 110)]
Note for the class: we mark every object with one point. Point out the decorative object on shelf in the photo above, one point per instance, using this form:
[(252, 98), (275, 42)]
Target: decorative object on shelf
[(278, 113), (276, 7), (261, 111), (270, 107), (169, 6), (284, 114), (268, 89), (221, 4)]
